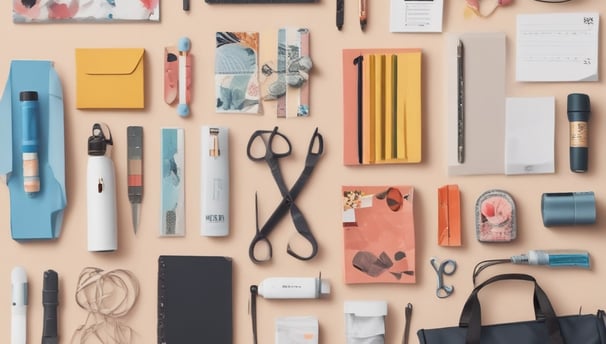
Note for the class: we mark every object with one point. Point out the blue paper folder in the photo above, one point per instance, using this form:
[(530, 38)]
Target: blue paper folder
[(41, 216)]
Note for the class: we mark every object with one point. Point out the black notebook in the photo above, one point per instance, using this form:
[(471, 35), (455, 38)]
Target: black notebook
[(195, 300)]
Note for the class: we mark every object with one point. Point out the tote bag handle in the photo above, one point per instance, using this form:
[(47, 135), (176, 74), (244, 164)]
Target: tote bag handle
[(471, 316)]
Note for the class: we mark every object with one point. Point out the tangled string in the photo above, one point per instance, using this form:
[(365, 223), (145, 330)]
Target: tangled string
[(106, 296)]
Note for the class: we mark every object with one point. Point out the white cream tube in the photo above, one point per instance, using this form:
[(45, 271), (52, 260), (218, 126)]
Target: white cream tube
[(293, 288)]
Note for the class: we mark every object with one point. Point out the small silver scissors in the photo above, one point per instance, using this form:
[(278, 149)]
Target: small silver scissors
[(446, 267)]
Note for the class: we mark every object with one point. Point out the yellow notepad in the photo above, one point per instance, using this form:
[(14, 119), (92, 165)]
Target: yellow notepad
[(391, 106)]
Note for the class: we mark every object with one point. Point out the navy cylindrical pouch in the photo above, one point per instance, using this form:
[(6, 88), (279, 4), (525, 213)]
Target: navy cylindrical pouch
[(568, 208)]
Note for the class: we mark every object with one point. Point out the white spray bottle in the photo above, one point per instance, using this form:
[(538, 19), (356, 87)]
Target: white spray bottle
[(101, 192), (215, 181)]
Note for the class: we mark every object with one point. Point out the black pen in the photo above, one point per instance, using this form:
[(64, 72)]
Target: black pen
[(363, 14), (407, 317), (460, 103), (358, 62), (185, 5), (340, 13)]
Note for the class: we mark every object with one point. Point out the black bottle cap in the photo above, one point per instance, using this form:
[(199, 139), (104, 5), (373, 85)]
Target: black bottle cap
[(578, 102), (28, 96), (96, 146), (97, 142)]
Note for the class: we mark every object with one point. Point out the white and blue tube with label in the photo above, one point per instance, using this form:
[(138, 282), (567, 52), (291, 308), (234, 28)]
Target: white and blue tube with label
[(554, 258)]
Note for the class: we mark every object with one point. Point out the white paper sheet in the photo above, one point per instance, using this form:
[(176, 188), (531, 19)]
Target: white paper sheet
[(416, 15), (529, 135), (557, 47)]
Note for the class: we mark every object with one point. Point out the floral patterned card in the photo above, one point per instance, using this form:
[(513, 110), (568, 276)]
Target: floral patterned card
[(48, 11), (236, 77)]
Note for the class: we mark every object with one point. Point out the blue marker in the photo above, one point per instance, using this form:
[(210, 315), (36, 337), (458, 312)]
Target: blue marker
[(29, 141)]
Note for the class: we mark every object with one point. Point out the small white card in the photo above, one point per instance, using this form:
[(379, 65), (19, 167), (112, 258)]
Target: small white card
[(297, 330), (529, 135), (416, 15)]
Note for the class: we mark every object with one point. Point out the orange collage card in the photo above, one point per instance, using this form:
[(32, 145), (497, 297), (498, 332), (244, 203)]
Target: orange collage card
[(378, 234)]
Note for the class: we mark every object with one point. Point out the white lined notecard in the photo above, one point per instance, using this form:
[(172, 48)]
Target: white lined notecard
[(555, 47)]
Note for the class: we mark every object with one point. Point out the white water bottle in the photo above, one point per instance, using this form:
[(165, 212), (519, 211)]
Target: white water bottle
[(101, 192)]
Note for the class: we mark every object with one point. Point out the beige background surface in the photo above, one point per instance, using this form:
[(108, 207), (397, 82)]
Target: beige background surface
[(321, 201)]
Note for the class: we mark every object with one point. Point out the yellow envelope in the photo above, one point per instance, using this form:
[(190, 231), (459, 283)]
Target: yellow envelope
[(110, 78)]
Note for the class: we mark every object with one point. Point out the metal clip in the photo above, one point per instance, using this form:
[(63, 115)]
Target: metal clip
[(214, 150)]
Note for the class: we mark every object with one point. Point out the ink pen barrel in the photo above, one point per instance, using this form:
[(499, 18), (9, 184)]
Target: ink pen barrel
[(578, 116), (184, 48), (30, 142), (554, 258)]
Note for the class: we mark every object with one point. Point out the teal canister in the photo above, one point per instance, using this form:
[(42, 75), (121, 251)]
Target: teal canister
[(568, 208)]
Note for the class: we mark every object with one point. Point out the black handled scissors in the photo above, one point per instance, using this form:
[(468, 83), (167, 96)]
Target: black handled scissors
[(446, 267), (273, 148)]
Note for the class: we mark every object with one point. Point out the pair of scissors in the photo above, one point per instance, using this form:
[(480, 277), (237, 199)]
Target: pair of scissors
[(274, 146), (446, 267)]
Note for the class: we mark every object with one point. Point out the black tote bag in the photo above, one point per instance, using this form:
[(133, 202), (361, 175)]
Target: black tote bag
[(547, 328)]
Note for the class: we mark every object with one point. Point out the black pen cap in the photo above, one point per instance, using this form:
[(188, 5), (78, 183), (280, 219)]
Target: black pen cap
[(28, 96), (579, 107)]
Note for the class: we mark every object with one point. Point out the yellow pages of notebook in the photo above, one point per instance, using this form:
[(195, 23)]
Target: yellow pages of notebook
[(379, 103), (409, 91), (368, 134), (390, 99)]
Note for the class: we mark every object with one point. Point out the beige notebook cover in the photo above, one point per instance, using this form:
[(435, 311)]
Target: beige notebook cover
[(484, 77)]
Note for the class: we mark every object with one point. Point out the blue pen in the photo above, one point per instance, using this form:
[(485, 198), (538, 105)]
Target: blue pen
[(29, 141)]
